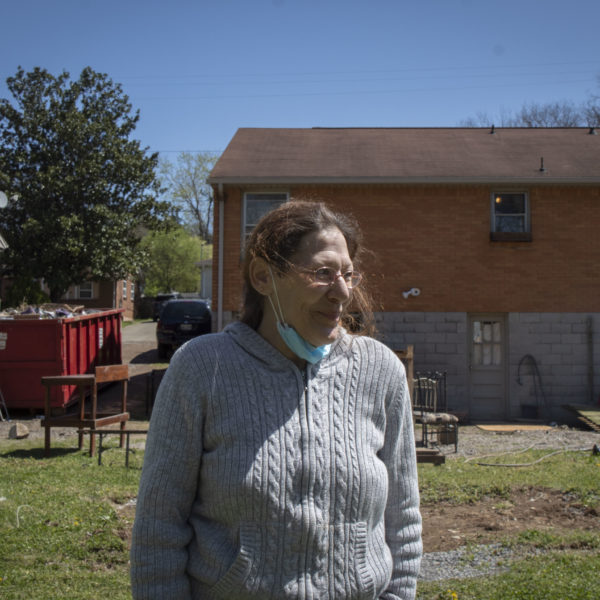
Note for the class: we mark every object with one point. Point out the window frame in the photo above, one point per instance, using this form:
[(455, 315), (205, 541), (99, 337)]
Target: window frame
[(510, 236), (245, 231), (85, 285)]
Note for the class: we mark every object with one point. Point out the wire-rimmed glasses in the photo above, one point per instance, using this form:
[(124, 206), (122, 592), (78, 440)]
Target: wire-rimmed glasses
[(328, 276)]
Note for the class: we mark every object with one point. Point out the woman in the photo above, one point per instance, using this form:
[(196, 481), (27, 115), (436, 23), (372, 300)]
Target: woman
[(280, 461)]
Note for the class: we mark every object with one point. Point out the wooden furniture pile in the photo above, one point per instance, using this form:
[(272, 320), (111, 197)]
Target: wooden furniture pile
[(87, 419)]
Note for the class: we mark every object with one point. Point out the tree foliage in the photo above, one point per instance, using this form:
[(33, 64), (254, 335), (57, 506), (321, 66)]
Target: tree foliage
[(173, 261), (185, 183), (80, 189), (550, 114)]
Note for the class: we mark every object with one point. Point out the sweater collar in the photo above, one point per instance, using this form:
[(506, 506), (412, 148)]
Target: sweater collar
[(253, 343)]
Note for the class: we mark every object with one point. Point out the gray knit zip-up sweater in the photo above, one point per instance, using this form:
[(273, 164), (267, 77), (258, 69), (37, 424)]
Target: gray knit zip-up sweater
[(260, 481)]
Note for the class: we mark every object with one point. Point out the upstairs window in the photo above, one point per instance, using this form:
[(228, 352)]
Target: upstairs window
[(510, 217), (125, 289), (258, 204)]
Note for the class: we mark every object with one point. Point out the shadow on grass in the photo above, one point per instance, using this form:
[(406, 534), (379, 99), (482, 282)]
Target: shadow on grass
[(38, 453)]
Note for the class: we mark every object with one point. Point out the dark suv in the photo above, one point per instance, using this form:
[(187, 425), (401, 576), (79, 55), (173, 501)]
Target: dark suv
[(181, 320), (161, 300)]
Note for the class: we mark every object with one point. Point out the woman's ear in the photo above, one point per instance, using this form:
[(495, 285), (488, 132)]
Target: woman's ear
[(261, 277)]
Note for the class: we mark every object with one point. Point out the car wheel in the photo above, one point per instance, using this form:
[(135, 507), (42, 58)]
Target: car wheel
[(163, 349)]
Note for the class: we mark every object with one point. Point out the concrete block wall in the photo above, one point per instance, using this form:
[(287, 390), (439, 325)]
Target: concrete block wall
[(561, 347), (558, 346), (440, 343), (559, 358)]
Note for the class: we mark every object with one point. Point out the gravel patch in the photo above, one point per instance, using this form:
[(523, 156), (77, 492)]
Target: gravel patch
[(480, 560), (469, 561), (474, 442)]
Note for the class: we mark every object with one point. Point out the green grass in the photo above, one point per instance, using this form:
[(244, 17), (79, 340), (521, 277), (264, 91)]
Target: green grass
[(62, 523), (460, 482), (569, 565), (565, 576), (65, 524), (576, 540)]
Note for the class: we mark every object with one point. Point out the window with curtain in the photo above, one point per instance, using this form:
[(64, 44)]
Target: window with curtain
[(510, 217)]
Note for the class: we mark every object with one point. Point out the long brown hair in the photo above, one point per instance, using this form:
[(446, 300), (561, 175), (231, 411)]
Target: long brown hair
[(276, 238)]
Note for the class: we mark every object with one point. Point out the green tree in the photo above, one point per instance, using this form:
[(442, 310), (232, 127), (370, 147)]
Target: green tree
[(80, 190), (186, 186), (173, 258)]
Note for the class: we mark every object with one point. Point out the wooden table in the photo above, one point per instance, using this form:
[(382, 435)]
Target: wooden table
[(83, 420)]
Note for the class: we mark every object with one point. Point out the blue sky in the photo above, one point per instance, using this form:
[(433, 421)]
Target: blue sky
[(198, 71)]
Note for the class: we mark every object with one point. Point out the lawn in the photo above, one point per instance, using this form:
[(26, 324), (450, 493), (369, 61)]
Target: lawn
[(65, 524), (548, 513)]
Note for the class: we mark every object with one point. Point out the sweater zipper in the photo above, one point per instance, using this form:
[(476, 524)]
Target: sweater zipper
[(306, 475)]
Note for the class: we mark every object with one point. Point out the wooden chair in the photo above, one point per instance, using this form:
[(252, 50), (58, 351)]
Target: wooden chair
[(424, 455), (407, 358), (430, 410), (90, 419)]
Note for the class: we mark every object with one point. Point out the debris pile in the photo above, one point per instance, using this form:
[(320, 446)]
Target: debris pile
[(47, 311)]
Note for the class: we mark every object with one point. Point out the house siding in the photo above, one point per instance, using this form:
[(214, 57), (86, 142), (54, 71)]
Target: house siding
[(108, 294), (437, 238), (564, 346), (448, 254)]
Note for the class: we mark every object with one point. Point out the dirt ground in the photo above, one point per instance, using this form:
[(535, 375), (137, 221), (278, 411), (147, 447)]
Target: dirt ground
[(445, 526)]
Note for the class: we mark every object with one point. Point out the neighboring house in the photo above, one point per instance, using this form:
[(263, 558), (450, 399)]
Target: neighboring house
[(92, 294), (495, 231), (205, 266), (104, 294)]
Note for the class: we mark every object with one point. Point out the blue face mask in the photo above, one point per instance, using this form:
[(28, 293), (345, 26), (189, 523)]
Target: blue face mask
[(299, 346), (293, 340)]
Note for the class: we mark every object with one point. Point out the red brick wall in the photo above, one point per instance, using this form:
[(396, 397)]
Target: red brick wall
[(437, 238), (104, 298), (232, 250)]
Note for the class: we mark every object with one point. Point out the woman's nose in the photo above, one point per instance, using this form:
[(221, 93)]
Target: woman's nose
[(339, 290)]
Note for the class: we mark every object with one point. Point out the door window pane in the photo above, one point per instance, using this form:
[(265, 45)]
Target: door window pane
[(487, 332), (487, 343), (497, 354)]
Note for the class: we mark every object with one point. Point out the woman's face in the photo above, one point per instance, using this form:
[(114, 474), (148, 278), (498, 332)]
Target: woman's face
[(314, 310)]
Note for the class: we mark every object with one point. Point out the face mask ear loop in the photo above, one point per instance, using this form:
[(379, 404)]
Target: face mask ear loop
[(277, 315)]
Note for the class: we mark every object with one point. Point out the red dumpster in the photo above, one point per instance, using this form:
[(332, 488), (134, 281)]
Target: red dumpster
[(33, 348)]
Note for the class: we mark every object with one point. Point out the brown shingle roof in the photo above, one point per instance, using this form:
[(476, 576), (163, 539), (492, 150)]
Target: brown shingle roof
[(411, 155)]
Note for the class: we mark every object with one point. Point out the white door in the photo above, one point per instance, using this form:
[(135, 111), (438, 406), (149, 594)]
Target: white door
[(487, 367)]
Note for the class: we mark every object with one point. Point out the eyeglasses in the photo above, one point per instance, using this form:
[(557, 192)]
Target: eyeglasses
[(328, 276)]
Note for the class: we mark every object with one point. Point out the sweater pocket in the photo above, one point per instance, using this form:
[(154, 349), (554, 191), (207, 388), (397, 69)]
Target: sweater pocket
[(349, 558), (373, 561), (231, 585)]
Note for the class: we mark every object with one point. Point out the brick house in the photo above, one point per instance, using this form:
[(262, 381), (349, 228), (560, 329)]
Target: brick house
[(94, 294), (91, 294), (486, 247), (104, 294)]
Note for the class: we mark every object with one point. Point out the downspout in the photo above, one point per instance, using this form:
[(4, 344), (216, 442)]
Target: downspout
[(220, 257)]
